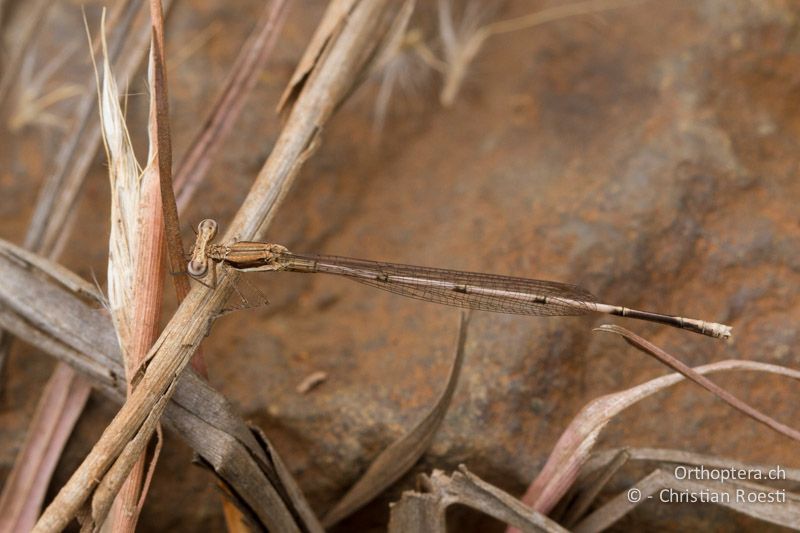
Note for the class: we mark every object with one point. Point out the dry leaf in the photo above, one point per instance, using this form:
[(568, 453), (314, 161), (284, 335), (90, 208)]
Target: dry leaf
[(401, 455)]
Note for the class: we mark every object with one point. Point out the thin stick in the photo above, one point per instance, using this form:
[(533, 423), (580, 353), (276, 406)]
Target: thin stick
[(472, 290)]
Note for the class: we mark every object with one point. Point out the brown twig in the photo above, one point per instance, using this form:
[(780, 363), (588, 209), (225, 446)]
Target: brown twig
[(342, 62)]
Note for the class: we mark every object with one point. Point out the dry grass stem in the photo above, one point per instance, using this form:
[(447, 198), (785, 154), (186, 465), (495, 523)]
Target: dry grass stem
[(135, 274), (24, 490), (676, 364)]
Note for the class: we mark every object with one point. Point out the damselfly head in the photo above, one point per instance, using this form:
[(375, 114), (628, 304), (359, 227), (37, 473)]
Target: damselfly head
[(206, 231)]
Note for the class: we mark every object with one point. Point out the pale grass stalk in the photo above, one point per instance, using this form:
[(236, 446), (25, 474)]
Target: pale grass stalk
[(135, 267)]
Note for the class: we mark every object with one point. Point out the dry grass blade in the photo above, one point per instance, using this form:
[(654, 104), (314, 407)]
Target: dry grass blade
[(239, 84), (25, 487), (674, 363), (426, 511), (344, 60), (401, 455), (161, 153), (135, 276), (590, 489), (786, 514), (56, 311), (574, 446)]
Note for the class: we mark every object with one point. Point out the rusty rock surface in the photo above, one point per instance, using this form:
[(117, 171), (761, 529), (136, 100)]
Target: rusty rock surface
[(648, 154)]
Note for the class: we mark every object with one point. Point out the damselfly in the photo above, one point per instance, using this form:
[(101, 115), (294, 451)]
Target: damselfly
[(484, 292)]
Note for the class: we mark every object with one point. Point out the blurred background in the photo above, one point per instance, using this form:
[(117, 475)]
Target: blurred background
[(647, 153)]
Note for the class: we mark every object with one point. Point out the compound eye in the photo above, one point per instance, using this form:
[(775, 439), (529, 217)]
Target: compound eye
[(197, 268), (207, 226)]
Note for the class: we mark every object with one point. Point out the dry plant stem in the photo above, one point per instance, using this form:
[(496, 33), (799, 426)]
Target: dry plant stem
[(122, 483), (57, 312), (239, 84), (162, 159), (34, 465), (143, 327), (676, 364), (342, 61), (398, 458), (160, 219)]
